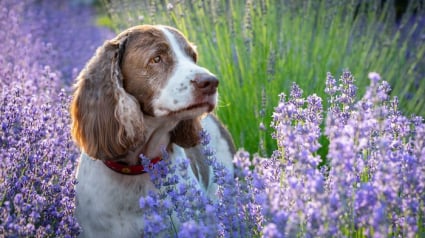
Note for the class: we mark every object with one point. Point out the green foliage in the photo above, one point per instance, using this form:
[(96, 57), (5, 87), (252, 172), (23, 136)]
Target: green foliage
[(104, 20), (258, 48)]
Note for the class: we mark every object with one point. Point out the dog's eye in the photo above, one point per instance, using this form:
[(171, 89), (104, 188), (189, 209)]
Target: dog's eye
[(155, 60)]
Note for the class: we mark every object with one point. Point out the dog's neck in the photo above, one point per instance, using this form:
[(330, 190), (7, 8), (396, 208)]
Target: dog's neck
[(157, 135), (157, 138)]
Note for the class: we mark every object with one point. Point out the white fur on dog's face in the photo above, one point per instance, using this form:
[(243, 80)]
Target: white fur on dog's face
[(179, 96)]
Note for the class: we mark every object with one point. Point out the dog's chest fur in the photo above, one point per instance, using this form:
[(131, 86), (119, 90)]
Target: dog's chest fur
[(108, 202), (112, 199)]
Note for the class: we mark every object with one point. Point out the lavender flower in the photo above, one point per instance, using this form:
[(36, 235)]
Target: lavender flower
[(180, 209), (36, 169), (37, 155), (297, 125), (380, 146)]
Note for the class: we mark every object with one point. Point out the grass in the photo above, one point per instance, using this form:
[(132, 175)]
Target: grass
[(258, 48)]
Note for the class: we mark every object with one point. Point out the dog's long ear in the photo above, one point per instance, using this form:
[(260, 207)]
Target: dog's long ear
[(106, 121), (186, 133)]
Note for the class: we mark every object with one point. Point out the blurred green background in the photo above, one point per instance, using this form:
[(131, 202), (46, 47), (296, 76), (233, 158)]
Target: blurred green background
[(258, 48)]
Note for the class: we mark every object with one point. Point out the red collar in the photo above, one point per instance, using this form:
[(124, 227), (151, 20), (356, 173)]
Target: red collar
[(129, 169)]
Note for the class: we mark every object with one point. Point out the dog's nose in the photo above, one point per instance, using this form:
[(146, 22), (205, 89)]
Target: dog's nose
[(205, 83)]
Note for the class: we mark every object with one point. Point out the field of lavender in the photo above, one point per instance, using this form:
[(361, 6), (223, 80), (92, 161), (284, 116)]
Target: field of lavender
[(370, 184), (44, 44)]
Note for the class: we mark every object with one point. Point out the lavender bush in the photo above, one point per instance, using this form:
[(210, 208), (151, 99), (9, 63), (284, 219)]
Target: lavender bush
[(47, 33), (372, 183), (36, 167), (68, 31), (38, 56), (182, 210)]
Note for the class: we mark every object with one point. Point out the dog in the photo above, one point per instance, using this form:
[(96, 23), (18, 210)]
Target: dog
[(142, 92)]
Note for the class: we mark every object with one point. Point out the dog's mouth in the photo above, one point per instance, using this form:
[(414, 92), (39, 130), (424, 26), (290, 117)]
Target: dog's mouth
[(208, 105), (192, 108), (195, 109)]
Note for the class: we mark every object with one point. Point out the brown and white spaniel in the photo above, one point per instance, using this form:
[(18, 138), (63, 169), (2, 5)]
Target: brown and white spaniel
[(141, 92)]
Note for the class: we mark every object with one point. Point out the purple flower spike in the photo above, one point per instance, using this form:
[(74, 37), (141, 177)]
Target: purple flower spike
[(374, 77)]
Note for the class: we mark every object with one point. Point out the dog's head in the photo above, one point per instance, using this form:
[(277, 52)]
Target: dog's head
[(144, 71)]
